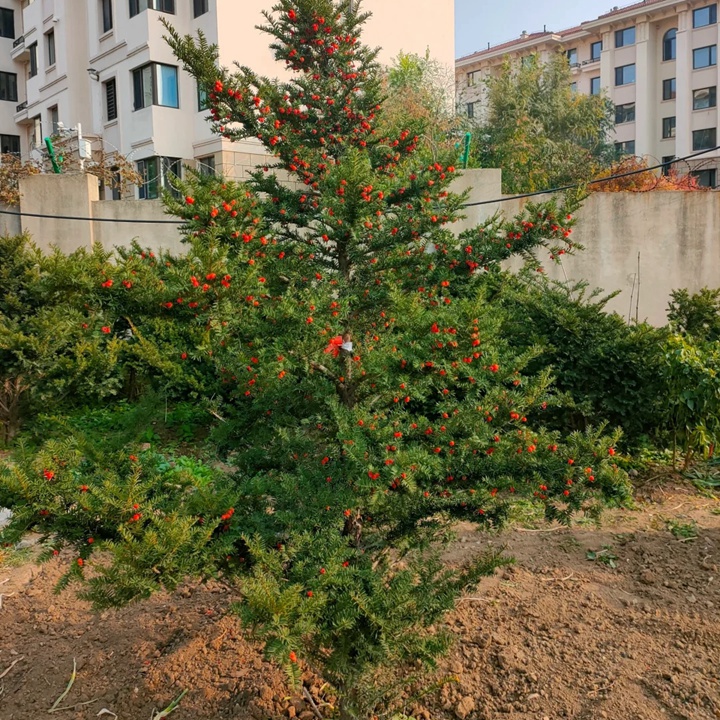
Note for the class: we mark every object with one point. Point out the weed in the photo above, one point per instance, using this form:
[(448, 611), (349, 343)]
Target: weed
[(681, 530), (605, 556)]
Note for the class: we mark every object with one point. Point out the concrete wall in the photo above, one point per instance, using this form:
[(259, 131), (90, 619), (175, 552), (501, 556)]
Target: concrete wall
[(677, 234), (9, 224)]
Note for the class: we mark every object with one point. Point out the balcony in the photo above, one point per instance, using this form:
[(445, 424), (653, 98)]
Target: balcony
[(21, 113), (20, 51)]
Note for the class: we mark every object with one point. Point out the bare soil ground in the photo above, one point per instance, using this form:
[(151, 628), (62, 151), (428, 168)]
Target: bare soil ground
[(557, 635)]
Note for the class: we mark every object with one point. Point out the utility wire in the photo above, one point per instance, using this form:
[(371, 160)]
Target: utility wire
[(472, 204)]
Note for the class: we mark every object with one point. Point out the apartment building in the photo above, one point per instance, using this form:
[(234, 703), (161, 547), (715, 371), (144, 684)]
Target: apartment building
[(656, 60), (104, 64)]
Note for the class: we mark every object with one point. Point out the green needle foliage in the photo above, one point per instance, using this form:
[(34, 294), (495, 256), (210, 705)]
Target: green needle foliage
[(348, 340)]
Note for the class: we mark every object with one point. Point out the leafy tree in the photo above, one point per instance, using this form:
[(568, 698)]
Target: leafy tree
[(697, 315), (540, 131), (420, 94)]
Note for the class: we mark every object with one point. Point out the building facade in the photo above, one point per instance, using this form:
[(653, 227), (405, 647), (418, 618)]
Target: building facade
[(656, 60), (104, 64)]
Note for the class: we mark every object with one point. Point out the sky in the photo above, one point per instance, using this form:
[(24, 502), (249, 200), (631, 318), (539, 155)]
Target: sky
[(479, 22)]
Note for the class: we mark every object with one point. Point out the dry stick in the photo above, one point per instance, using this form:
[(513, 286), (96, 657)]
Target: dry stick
[(314, 707), (562, 527), (8, 595), (73, 707), (54, 708), (12, 665), (567, 577)]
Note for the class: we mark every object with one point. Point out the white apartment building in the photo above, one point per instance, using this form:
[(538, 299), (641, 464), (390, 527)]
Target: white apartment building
[(656, 60), (104, 64)]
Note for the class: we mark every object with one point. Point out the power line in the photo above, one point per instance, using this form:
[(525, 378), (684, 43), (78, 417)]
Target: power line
[(472, 204), (592, 182)]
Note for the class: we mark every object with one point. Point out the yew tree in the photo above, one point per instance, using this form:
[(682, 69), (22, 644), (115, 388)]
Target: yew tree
[(365, 390)]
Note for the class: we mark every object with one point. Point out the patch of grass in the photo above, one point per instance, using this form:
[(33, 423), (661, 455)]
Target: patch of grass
[(10, 557), (683, 530), (606, 556)]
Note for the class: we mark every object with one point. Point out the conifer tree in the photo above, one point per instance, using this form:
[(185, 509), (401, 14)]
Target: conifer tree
[(369, 397), (376, 402)]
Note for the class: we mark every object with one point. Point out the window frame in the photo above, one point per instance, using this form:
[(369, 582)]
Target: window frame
[(594, 57), (4, 26), (163, 165), (136, 7), (155, 85), (106, 16), (669, 127), (667, 163), (206, 165), (111, 82), (470, 110), (712, 98), (672, 95), (711, 174), (33, 62), (599, 85), (712, 56), (570, 54), (625, 113), (620, 37), (696, 146), (11, 97), (669, 46), (200, 8), (50, 49), (619, 146), (621, 68), (37, 132), (10, 152), (712, 16)]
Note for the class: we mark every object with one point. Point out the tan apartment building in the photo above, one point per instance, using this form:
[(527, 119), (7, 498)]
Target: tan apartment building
[(656, 60), (104, 64)]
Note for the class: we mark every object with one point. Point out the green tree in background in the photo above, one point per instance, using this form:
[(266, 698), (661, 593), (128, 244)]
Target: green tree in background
[(539, 130)]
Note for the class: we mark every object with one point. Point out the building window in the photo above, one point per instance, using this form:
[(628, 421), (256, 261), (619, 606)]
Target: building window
[(595, 50), (667, 162), (670, 45), (625, 148), (200, 7), (206, 165), (10, 144), (36, 133), (202, 99), (705, 98), (156, 174), (472, 78), (669, 90), (138, 6), (625, 37), (107, 15), (573, 87), (705, 16), (625, 74), (7, 29), (50, 48), (33, 60), (8, 86), (706, 178), (471, 110), (668, 128), (572, 57), (704, 56), (704, 139), (54, 115), (155, 84), (111, 100), (595, 86), (625, 113)]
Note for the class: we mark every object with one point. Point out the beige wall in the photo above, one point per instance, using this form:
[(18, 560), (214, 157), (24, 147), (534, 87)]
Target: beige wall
[(677, 234)]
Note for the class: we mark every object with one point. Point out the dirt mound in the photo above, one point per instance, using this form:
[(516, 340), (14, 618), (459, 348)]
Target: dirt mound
[(617, 623)]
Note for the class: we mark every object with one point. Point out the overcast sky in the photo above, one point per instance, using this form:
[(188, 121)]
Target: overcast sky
[(479, 22)]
